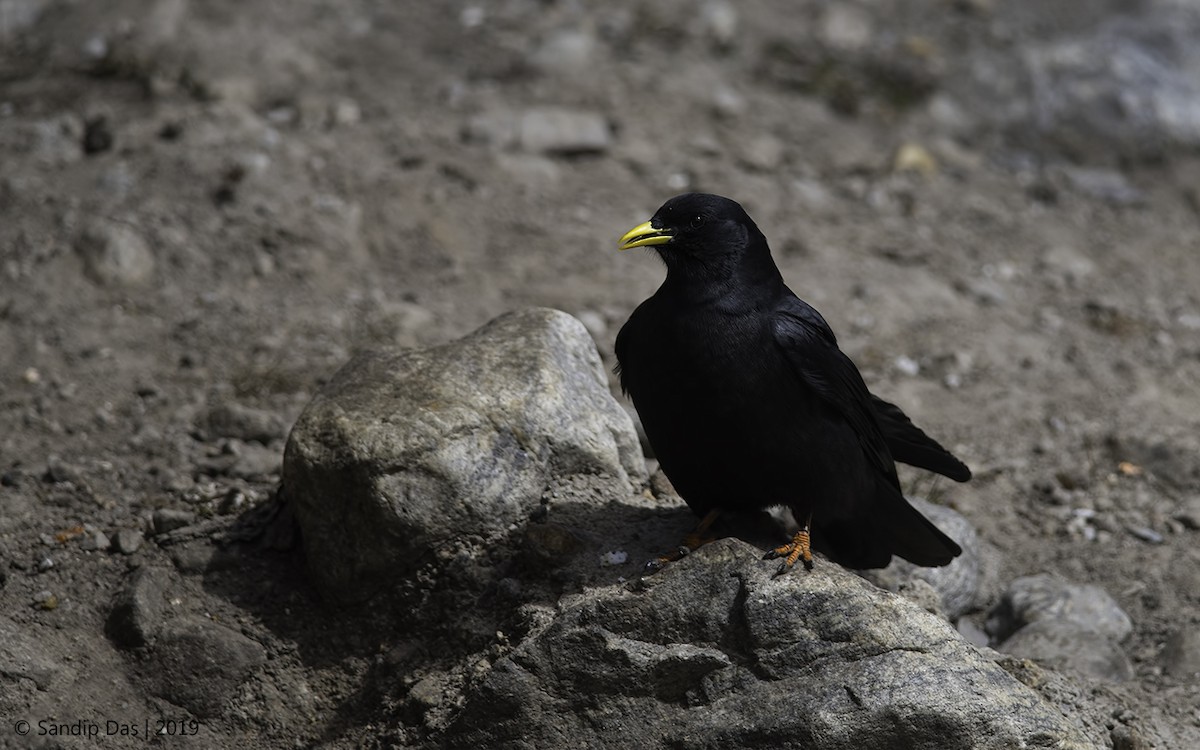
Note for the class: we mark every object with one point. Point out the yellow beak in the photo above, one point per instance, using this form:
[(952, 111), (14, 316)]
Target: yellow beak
[(643, 235)]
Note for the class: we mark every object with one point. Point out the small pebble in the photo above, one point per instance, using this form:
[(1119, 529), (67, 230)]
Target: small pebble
[(45, 599), (1146, 534), (128, 541), (907, 365), (169, 519), (94, 541), (619, 557)]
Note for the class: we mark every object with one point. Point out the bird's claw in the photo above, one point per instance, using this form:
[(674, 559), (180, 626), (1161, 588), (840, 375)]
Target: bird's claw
[(798, 549)]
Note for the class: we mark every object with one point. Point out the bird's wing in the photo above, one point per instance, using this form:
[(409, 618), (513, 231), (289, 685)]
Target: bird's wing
[(910, 445), (812, 350)]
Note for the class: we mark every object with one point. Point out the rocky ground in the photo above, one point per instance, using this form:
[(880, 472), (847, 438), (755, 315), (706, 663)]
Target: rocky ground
[(207, 208)]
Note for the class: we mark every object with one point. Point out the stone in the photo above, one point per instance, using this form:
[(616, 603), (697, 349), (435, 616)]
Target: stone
[(1130, 80), (556, 131), (1062, 644), (232, 420), (1181, 653), (720, 20), (717, 652), (553, 130), (405, 449), (200, 664), (139, 608), (18, 16), (254, 461), (845, 27), (115, 254), (95, 540), (763, 152), (169, 519), (128, 541), (1067, 263), (1045, 597), (1106, 184), (1188, 513), (959, 584), (564, 51)]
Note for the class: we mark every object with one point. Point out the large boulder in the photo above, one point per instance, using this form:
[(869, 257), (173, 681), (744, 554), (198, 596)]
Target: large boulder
[(403, 451), (716, 652)]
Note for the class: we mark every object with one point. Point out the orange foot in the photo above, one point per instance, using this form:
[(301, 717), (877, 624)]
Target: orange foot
[(692, 542), (800, 548)]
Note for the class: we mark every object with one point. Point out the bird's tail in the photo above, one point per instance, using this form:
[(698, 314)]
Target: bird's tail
[(888, 526), (910, 445)]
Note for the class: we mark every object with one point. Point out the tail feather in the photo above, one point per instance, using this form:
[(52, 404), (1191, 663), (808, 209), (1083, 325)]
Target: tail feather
[(885, 527), (910, 445)]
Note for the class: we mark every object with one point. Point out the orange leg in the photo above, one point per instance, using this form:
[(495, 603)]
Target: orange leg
[(800, 548), (693, 541)]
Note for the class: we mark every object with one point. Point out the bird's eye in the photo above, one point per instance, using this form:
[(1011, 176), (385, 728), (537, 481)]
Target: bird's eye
[(696, 222)]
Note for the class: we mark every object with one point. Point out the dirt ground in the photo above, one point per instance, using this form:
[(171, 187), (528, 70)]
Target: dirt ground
[(215, 204)]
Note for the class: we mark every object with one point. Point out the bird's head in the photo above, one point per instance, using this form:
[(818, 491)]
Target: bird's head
[(702, 235), (693, 223)]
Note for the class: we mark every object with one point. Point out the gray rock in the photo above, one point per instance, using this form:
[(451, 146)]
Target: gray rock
[(1133, 80), (564, 51), (128, 541), (17, 16), (972, 632), (846, 27), (255, 461), (959, 584), (199, 664), (404, 450), (1105, 184), (1067, 263), (1188, 513), (169, 519), (115, 254), (95, 540), (138, 610), (243, 423), (60, 471), (1045, 597), (543, 130), (553, 130), (720, 20), (1181, 655), (1062, 644), (763, 152), (242, 460), (716, 652)]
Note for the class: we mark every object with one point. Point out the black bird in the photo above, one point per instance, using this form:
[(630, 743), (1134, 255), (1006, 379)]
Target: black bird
[(748, 402)]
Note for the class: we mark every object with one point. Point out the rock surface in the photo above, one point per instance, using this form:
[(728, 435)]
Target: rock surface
[(715, 652), (404, 450)]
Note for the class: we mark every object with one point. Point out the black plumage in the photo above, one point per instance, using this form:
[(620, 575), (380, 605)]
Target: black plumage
[(749, 403)]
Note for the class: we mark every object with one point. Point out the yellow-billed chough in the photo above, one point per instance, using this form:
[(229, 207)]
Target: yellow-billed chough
[(748, 402)]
